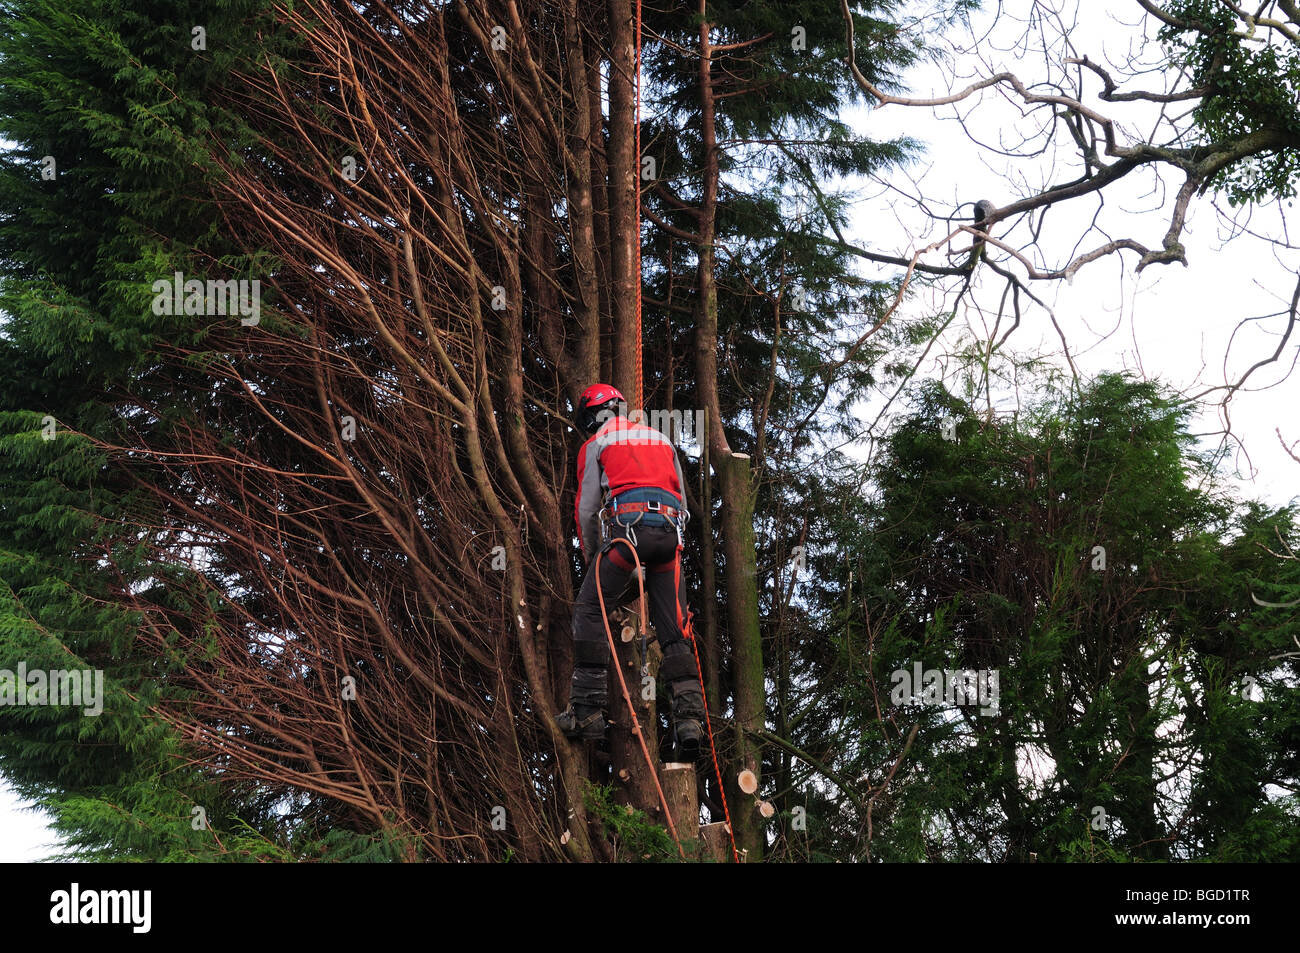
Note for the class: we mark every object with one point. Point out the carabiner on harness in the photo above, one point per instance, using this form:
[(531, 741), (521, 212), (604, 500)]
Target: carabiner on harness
[(608, 516), (683, 517)]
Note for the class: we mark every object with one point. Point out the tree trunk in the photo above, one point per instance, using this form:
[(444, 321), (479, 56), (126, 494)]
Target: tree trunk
[(634, 780), (623, 197), (709, 585), (586, 308), (734, 480), (678, 779), (715, 843)]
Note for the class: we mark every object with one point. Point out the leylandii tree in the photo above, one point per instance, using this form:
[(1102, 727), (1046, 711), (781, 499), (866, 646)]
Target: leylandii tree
[(1078, 560), (462, 267), (107, 112)]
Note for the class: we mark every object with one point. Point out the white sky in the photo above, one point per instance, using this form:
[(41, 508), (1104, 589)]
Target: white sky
[(1171, 323), (23, 833)]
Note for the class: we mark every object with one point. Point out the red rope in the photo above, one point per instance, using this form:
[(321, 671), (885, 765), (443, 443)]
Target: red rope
[(636, 181), (689, 632)]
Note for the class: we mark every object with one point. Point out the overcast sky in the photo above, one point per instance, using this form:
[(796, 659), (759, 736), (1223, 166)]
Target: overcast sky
[(1170, 323)]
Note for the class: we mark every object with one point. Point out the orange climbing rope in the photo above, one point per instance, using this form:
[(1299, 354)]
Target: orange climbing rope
[(689, 633), (638, 396), (687, 630)]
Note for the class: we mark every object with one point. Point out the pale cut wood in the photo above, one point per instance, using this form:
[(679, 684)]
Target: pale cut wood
[(715, 842), (678, 781)]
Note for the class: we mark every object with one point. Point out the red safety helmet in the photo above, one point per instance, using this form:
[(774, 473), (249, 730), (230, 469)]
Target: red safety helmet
[(598, 394), (592, 400)]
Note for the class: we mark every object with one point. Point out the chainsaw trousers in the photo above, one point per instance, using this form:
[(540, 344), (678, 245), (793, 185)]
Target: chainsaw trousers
[(656, 546)]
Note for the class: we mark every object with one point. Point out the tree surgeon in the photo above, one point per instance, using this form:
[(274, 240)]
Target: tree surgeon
[(630, 487)]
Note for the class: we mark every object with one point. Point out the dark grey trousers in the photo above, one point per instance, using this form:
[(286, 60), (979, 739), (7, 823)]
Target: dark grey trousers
[(657, 548)]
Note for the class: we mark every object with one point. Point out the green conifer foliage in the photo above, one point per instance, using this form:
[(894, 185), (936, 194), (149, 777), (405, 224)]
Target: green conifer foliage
[(1083, 551)]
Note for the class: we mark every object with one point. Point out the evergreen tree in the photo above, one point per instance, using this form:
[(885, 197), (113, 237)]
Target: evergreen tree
[(1081, 551), (107, 188)]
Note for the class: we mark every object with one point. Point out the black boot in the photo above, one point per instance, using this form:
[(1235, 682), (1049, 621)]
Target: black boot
[(582, 722), (688, 717), (585, 716), (680, 672)]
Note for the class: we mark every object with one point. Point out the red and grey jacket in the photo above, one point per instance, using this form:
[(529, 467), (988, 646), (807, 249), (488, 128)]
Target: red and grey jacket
[(622, 456)]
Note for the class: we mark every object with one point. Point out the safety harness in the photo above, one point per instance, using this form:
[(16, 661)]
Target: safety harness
[(612, 514)]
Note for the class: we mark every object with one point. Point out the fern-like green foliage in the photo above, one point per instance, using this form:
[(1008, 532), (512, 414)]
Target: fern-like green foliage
[(1083, 550), (633, 836), (113, 104)]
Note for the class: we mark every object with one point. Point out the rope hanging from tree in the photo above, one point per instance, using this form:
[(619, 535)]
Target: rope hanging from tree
[(637, 395), (638, 402)]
